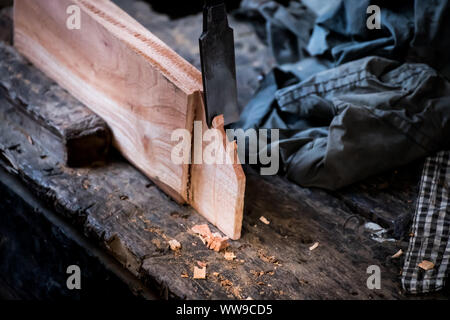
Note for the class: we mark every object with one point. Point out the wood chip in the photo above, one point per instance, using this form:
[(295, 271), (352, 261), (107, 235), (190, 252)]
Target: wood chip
[(398, 254), (202, 230), (264, 257), (426, 265), (201, 264), (229, 256), (257, 273), (174, 245), (264, 220), (217, 244), (237, 292), (184, 275), (30, 140), (199, 273), (314, 246), (226, 283), (213, 241)]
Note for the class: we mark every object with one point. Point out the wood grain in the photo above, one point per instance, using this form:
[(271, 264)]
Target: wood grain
[(139, 86), (217, 190)]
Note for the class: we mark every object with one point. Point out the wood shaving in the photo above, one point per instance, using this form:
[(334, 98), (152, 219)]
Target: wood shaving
[(264, 257), (257, 273), (229, 256), (218, 244), (174, 245), (202, 230), (201, 264), (264, 220), (213, 241), (184, 275), (398, 254), (426, 265), (314, 246), (226, 283), (237, 293), (199, 273)]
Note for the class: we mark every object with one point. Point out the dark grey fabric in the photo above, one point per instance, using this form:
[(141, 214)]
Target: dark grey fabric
[(342, 124), (286, 29), (347, 123), (411, 30)]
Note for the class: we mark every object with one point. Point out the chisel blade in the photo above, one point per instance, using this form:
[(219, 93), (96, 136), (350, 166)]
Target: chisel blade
[(218, 64)]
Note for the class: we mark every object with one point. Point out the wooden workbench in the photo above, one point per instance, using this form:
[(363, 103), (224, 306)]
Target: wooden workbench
[(120, 211)]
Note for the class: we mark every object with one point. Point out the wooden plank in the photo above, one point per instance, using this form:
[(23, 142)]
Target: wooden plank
[(119, 70), (217, 190), (141, 87), (64, 127)]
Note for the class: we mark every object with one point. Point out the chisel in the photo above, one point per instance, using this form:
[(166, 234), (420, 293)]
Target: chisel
[(218, 63)]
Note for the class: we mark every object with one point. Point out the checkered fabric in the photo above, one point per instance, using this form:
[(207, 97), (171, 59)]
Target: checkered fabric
[(430, 230)]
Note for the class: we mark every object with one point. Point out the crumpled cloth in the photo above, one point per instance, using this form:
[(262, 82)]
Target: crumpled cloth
[(336, 30), (342, 125), (345, 108)]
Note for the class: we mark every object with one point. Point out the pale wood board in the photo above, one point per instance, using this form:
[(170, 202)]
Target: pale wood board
[(217, 190), (140, 87)]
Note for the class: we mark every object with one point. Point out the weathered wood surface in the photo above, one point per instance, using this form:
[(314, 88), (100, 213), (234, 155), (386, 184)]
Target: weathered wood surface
[(273, 261), (65, 127), (388, 199), (37, 246), (144, 91)]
